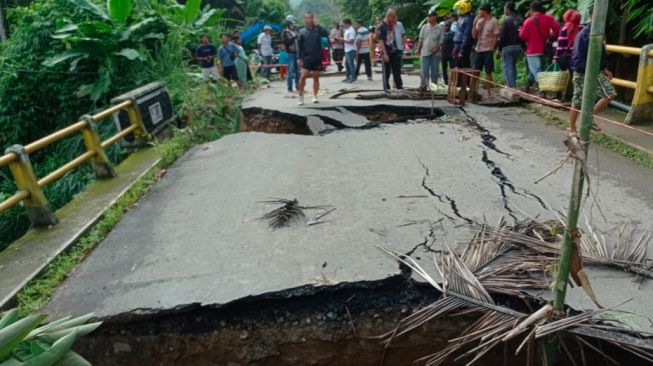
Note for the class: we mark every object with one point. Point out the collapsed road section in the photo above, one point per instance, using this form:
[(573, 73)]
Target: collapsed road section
[(193, 274)]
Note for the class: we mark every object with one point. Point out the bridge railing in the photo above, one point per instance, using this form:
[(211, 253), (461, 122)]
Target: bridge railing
[(641, 109), (30, 187)]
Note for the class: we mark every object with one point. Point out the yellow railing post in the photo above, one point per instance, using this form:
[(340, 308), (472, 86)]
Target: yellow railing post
[(101, 163), (641, 109), (135, 118), (39, 211)]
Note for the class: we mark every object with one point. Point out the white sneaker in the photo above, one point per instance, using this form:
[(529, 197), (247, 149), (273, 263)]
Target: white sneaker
[(301, 100), (315, 99)]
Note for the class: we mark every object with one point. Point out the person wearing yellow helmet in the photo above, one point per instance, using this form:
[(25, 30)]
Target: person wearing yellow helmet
[(462, 39), (462, 7)]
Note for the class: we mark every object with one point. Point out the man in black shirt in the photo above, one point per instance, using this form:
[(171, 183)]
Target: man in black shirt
[(309, 53), (390, 52), (510, 45), (205, 54)]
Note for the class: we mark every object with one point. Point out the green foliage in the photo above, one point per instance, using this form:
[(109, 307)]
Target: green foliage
[(22, 343), (119, 9), (641, 15), (274, 11), (101, 45), (89, 57)]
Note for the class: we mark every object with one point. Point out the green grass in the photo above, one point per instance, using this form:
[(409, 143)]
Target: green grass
[(602, 139), (213, 112)]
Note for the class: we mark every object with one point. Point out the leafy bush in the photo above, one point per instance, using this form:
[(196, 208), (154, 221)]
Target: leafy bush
[(23, 342)]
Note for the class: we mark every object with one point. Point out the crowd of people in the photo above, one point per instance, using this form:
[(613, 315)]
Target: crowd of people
[(463, 39)]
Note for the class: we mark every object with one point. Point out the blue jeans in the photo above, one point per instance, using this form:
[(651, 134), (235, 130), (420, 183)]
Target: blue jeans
[(293, 71), (534, 66), (509, 56), (350, 64), (265, 71), (430, 65)]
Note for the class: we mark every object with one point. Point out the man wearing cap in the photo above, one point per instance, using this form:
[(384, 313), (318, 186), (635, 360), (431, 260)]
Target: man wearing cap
[(486, 32), (428, 48), (266, 50)]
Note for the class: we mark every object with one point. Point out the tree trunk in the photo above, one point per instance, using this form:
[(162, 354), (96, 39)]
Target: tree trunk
[(3, 25)]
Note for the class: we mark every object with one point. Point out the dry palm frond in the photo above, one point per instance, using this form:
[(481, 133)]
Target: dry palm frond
[(487, 331), (508, 259), (286, 215), (289, 213), (625, 249)]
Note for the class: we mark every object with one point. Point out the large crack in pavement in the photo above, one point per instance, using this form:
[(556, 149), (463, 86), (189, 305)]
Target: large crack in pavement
[(443, 198), (488, 140)]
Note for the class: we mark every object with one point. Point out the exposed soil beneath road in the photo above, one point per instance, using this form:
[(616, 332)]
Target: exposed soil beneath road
[(317, 326), (261, 120), (305, 326)]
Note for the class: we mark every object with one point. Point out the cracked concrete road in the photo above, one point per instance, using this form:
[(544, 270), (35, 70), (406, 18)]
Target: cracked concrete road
[(195, 237)]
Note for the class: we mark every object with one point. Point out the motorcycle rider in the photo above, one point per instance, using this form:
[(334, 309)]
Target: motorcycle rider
[(289, 38)]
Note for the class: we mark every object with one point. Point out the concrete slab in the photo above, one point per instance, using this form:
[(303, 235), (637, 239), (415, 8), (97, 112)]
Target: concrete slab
[(28, 256), (196, 237)]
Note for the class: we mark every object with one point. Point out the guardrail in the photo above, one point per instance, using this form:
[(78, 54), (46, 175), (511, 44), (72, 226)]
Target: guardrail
[(30, 188), (641, 109)]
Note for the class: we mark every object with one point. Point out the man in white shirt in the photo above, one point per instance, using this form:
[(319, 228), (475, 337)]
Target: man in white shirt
[(266, 50), (363, 49), (350, 51)]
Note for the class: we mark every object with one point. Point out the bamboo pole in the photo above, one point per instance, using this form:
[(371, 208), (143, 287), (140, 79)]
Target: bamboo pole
[(590, 85)]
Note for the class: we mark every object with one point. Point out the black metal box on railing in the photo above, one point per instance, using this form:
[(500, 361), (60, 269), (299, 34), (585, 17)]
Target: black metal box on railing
[(153, 103)]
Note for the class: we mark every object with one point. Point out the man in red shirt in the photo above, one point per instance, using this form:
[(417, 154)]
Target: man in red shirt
[(536, 31)]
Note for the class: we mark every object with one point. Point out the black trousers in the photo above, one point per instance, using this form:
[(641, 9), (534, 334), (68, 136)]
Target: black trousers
[(338, 54), (447, 63), (394, 67), (364, 58), (465, 62)]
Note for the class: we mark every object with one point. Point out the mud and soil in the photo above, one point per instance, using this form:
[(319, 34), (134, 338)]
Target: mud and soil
[(265, 120)]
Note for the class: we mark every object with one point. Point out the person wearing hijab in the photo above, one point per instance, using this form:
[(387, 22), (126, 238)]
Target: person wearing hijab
[(566, 38)]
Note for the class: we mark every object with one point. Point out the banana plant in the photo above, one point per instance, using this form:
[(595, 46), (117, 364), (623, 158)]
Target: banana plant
[(102, 42), (24, 343)]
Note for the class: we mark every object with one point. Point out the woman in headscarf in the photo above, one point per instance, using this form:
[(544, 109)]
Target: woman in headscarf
[(242, 63), (565, 46), (566, 38)]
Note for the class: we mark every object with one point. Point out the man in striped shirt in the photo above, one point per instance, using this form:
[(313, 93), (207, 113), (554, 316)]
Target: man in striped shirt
[(363, 49)]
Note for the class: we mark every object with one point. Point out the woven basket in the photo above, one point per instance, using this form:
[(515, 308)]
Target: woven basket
[(553, 81)]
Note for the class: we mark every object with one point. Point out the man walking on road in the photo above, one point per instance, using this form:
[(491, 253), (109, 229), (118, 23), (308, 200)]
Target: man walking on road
[(536, 31), (309, 52), (428, 48), (389, 51), (486, 32), (266, 50), (605, 91), (350, 51), (289, 39), (363, 50)]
